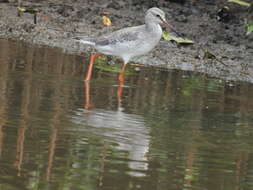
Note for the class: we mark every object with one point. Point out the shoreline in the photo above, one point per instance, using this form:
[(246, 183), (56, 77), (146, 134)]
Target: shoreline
[(59, 21)]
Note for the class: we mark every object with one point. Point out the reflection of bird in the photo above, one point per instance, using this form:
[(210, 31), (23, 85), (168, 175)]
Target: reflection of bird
[(128, 131), (129, 42)]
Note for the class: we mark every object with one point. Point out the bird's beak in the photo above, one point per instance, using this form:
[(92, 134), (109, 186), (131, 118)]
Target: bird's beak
[(170, 27)]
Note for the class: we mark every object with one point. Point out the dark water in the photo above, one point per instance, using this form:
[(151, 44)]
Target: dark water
[(166, 130)]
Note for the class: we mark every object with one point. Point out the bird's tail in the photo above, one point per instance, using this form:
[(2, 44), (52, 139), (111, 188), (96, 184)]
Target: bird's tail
[(85, 40)]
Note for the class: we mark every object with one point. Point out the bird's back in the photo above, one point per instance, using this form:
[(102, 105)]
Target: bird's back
[(132, 41)]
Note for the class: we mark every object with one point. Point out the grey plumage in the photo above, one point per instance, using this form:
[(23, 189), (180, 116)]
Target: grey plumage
[(131, 41)]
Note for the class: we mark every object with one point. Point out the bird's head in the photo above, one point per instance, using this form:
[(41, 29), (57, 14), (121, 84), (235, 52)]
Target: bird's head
[(157, 16)]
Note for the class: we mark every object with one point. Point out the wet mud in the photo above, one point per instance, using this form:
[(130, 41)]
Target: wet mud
[(216, 31)]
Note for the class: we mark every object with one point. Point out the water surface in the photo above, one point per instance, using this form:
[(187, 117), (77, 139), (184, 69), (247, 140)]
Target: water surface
[(166, 129)]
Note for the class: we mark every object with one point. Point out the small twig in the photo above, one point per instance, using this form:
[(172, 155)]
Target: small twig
[(212, 56)]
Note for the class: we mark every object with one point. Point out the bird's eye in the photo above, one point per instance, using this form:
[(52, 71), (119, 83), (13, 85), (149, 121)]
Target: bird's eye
[(158, 16)]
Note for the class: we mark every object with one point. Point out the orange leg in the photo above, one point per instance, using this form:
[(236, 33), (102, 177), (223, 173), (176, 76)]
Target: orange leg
[(121, 77), (119, 95), (87, 101), (90, 67)]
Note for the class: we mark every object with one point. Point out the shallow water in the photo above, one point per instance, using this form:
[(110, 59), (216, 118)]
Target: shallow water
[(164, 130)]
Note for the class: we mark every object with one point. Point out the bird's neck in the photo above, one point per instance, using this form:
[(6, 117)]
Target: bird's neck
[(154, 28)]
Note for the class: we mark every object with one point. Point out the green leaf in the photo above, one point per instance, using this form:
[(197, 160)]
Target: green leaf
[(31, 11), (209, 55), (167, 36), (27, 10), (101, 64), (249, 28), (240, 2), (21, 9)]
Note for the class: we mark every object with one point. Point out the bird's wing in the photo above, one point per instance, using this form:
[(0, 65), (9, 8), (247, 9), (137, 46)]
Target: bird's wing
[(119, 36)]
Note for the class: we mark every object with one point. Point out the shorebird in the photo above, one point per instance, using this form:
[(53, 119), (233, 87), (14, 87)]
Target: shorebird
[(129, 42)]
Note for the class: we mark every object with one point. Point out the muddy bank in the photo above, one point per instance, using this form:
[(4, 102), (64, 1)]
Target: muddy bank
[(221, 33)]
